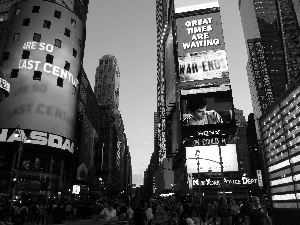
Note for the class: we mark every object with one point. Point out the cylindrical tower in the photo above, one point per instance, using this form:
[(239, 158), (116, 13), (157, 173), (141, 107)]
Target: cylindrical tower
[(42, 61)]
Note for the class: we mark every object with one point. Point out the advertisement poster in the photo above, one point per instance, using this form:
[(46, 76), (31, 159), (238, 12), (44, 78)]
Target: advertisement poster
[(201, 48), (203, 65), (209, 158)]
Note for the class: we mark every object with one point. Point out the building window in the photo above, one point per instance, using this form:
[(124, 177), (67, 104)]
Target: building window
[(37, 75), (37, 37), (73, 23), (26, 22), (35, 9), (74, 53), (67, 66), (73, 90), (60, 82), (57, 43), (25, 54), (14, 73), (57, 14), (18, 11), (6, 56), (16, 37), (47, 24), (67, 32), (49, 58)]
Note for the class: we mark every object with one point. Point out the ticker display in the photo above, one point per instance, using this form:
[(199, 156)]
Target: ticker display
[(281, 144)]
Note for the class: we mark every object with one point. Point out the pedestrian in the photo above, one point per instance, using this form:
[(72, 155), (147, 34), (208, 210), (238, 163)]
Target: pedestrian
[(202, 212), (189, 219), (139, 216), (57, 214), (109, 213), (16, 214), (23, 213), (173, 219), (149, 214), (130, 214), (166, 211), (42, 214), (209, 208), (235, 211), (34, 212), (257, 214), (154, 209), (226, 213), (68, 210)]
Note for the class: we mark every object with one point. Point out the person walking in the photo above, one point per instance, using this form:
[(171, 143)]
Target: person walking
[(149, 214), (68, 210), (139, 216), (42, 214), (202, 212), (154, 209), (226, 213), (235, 211), (23, 213), (257, 214), (109, 213)]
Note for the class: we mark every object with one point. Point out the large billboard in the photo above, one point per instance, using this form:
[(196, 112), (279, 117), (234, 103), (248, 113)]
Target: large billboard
[(209, 158), (201, 47), (207, 109)]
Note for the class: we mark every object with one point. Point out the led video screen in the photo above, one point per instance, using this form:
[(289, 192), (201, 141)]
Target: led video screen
[(209, 158), (207, 109)]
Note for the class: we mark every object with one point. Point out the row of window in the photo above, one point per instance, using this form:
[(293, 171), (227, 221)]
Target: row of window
[(47, 25), (37, 38), (49, 58), (36, 10), (37, 75)]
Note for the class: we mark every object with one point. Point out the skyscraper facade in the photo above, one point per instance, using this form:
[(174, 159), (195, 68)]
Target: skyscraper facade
[(271, 29), (162, 7), (107, 82)]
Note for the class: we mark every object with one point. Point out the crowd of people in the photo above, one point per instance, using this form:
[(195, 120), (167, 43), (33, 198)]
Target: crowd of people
[(174, 212), (36, 213)]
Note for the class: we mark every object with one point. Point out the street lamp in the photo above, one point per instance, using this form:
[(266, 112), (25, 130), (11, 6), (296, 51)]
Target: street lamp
[(23, 139)]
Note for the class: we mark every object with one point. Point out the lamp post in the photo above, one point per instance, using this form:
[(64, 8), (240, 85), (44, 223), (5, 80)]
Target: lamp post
[(198, 168), (222, 172), (23, 139)]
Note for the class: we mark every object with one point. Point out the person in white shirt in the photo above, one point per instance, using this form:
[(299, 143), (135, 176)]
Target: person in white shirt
[(109, 213), (149, 214), (189, 219)]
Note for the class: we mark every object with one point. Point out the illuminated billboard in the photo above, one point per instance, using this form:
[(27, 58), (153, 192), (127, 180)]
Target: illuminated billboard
[(38, 138), (207, 109), (209, 158), (42, 61), (203, 65), (200, 47)]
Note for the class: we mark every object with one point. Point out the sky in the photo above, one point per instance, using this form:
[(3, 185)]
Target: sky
[(127, 30)]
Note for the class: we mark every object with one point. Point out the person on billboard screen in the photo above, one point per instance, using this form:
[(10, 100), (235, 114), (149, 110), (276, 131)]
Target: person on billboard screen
[(198, 113)]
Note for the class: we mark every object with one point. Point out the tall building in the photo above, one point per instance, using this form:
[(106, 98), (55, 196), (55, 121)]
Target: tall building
[(41, 54), (162, 8), (271, 30), (107, 82)]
